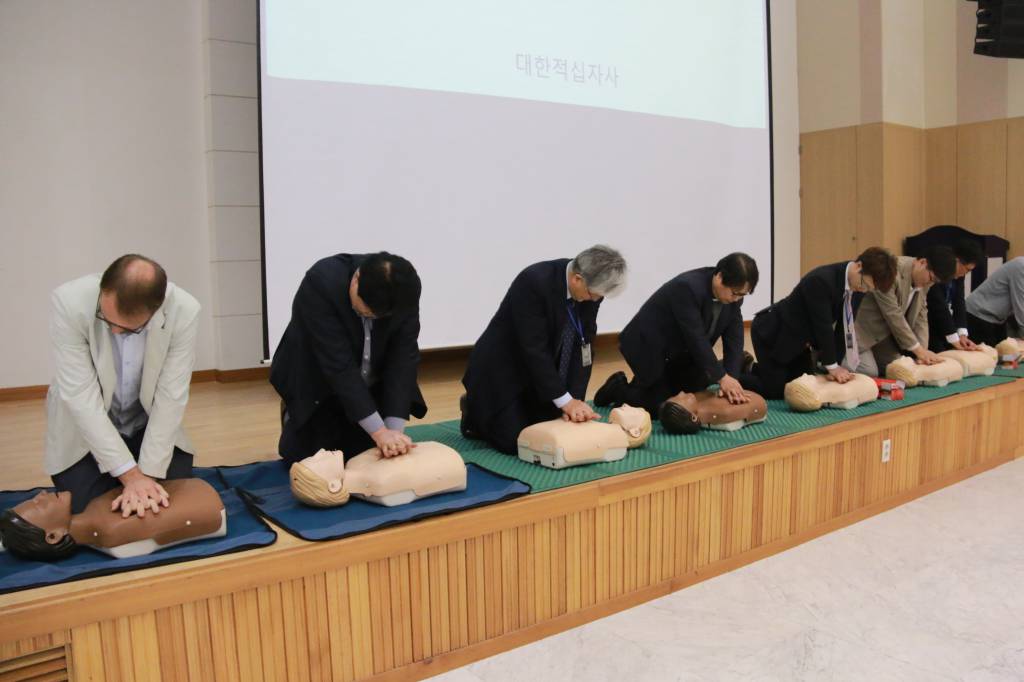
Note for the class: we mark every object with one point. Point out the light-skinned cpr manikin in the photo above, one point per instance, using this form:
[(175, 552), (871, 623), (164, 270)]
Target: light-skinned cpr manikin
[(430, 468), (978, 362), (43, 527), (810, 392), (688, 412), (1009, 349), (560, 443), (912, 374)]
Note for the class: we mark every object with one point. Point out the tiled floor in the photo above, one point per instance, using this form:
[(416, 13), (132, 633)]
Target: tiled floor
[(932, 590)]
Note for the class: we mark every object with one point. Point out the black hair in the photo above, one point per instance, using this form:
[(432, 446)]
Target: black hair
[(677, 419), (738, 269), (968, 251), (388, 284), (28, 541), (942, 262), (134, 295)]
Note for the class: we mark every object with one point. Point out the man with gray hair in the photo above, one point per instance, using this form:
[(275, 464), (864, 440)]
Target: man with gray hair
[(533, 361)]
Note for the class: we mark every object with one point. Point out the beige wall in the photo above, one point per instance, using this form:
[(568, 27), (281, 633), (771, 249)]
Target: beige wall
[(828, 50), (902, 56)]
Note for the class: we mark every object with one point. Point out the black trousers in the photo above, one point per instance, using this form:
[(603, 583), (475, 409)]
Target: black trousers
[(86, 482), (502, 428), (983, 331), (328, 429), (781, 355)]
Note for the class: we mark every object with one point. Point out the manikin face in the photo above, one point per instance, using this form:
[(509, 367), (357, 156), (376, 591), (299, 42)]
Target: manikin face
[(963, 268), (330, 466), (578, 289), (725, 293), (358, 304), (858, 280), (921, 275), (118, 323), (49, 511)]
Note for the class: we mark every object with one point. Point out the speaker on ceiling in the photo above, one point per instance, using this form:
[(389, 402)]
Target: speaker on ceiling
[(1000, 30)]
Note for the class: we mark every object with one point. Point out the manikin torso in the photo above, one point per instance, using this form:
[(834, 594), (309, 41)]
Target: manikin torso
[(558, 443), (811, 392), (913, 374), (981, 362), (195, 512), (718, 413), (430, 468)]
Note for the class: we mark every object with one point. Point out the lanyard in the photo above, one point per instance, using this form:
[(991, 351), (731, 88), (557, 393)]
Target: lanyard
[(576, 323)]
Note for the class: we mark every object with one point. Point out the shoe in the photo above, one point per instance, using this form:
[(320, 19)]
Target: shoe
[(748, 363), (613, 392), (464, 427)]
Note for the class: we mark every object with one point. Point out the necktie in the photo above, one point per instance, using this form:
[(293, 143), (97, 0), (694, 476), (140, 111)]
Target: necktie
[(568, 343), (852, 358), (364, 368)]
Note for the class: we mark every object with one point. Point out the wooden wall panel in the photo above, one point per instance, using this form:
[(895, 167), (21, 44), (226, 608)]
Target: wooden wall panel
[(903, 170), (981, 177), (828, 190), (1015, 185), (940, 176), (870, 189)]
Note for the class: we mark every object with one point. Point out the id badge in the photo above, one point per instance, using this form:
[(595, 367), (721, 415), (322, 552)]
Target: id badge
[(849, 340), (587, 357)]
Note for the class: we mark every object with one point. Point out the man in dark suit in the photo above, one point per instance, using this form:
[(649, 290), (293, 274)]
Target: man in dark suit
[(818, 315), (346, 365), (947, 312), (668, 343), (533, 361)]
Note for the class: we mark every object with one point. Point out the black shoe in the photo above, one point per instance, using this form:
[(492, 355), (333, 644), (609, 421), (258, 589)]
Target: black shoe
[(464, 427), (613, 392), (748, 363)]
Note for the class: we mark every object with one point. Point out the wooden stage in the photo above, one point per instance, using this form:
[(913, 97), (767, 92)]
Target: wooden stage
[(416, 600)]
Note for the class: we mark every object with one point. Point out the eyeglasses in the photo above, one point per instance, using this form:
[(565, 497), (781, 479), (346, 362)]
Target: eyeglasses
[(126, 330)]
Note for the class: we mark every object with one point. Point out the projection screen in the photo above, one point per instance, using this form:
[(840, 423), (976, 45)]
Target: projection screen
[(475, 138)]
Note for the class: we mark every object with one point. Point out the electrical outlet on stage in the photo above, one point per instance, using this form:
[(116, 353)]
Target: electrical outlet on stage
[(886, 450)]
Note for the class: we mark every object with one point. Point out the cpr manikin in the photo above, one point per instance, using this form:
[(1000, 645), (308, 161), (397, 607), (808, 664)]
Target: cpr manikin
[(687, 412), (43, 527), (1009, 350), (811, 392), (558, 443), (974, 362), (913, 374), (326, 480)]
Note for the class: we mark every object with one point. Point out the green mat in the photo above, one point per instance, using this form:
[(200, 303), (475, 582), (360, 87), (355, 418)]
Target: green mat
[(1016, 373), (664, 448)]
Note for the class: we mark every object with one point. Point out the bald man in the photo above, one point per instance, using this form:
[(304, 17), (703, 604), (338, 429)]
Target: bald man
[(124, 345)]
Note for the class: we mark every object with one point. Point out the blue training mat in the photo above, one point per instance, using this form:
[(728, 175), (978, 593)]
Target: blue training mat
[(245, 531), (266, 487)]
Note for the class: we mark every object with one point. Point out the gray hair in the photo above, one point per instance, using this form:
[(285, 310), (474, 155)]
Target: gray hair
[(602, 267)]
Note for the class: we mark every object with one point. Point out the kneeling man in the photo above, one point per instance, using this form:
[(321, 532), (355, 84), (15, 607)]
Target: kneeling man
[(124, 345)]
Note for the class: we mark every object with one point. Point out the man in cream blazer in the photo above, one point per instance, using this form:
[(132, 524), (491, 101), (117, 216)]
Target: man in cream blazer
[(124, 348), (892, 322)]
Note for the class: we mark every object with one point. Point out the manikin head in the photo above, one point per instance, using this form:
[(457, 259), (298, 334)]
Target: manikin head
[(635, 421), (383, 285), (38, 528), (132, 289), (873, 269), (679, 414), (319, 481), (735, 276), (595, 273)]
